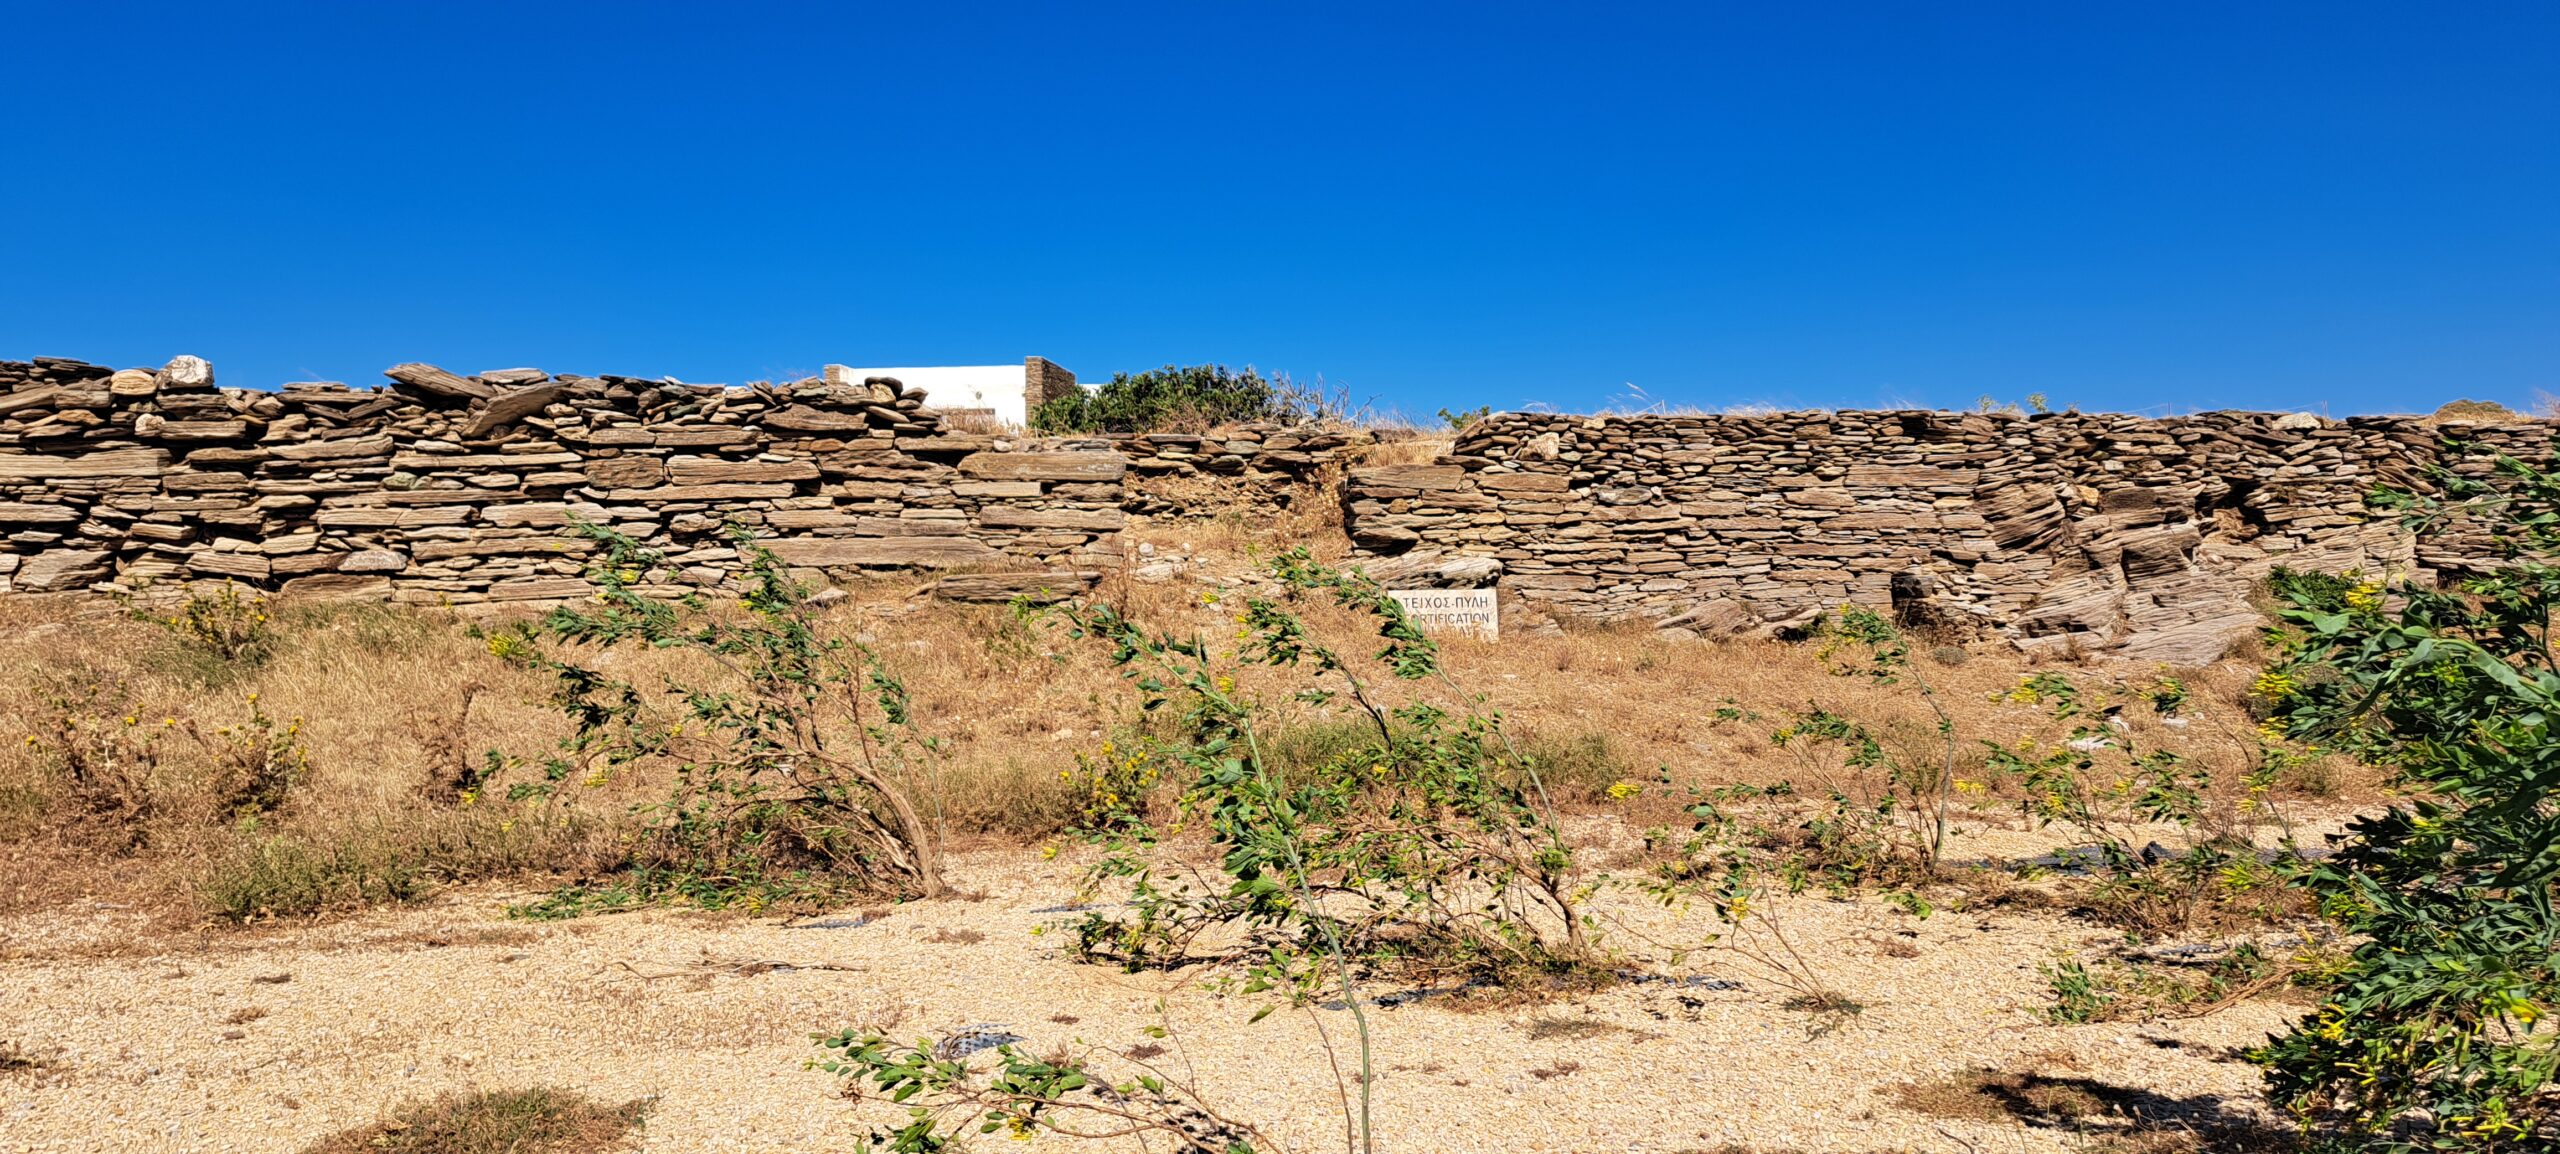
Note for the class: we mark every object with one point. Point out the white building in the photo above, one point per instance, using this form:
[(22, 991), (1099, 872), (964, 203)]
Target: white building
[(1007, 392)]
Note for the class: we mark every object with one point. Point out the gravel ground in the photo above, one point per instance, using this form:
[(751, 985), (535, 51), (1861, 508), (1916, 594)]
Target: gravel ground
[(265, 1041)]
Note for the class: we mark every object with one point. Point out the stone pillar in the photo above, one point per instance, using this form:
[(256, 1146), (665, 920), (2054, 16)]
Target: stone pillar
[(1043, 381)]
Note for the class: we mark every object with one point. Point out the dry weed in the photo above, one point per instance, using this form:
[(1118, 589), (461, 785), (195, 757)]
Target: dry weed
[(2050, 1091), (538, 1121), (15, 1059)]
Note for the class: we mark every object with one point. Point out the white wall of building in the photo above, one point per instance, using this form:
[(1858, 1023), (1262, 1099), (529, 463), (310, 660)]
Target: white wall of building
[(996, 387)]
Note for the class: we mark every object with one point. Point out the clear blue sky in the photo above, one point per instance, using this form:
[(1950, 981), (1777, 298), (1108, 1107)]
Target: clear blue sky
[(2155, 206)]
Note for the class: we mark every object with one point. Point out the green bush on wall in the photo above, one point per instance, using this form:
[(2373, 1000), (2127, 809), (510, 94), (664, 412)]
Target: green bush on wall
[(1195, 396)]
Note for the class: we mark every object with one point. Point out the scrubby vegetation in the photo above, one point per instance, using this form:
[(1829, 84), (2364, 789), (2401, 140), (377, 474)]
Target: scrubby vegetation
[(1872, 799), (2438, 1033), (1429, 843), (1185, 398), (1063, 1094), (798, 773), (1272, 784)]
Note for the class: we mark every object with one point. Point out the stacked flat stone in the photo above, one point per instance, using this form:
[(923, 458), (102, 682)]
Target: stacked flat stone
[(1253, 464), (439, 487), (2094, 532), (1255, 451)]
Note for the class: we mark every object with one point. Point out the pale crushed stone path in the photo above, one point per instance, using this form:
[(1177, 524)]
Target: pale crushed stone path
[(374, 1015)]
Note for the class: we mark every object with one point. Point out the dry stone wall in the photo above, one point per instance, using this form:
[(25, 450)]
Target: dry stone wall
[(438, 487), (2061, 531)]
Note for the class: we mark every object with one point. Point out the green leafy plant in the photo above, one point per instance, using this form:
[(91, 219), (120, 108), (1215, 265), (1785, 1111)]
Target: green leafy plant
[(1022, 1094), (2166, 694), (2138, 987), (2095, 781), (283, 876), (1367, 849), (2077, 998), (1174, 397), (1459, 419), (797, 771), (1425, 849), (2439, 1033), (1886, 803)]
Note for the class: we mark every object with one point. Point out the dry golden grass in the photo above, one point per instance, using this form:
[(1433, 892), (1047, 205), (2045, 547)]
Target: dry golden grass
[(396, 706), (979, 422), (1420, 449), (538, 1121), (396, 703)]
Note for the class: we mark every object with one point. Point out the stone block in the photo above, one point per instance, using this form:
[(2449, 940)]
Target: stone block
[(883, 552), (1082, 466), (1018, 517)]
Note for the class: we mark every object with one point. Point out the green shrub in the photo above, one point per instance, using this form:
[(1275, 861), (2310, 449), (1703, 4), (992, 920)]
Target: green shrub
[(1173, 397), (1062, 1094), (2312, 589), (275, 870), (2439, 1034), (288, 876), (1580, 765), (1392, 814), (1459, 420), (2077, 998), (797, 767), (1421, 844)]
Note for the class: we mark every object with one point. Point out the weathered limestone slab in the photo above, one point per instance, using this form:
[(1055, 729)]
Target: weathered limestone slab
[(58, 570), (108, 463), (1094, 466), (1017, 517), (712, 470), (437, 382), (508, 408), (883, 552)]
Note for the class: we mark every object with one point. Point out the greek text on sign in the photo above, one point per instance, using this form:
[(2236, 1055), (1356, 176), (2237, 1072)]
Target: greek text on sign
[(1463, 610)]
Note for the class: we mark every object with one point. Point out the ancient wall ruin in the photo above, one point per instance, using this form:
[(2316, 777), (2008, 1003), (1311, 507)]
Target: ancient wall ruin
[(445, 488), (2061, 530)]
